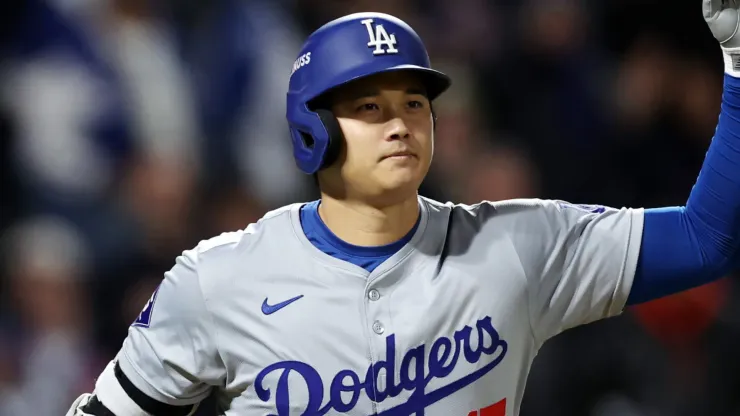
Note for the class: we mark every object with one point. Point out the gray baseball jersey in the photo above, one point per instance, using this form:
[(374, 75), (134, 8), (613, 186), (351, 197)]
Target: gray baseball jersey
[(447, 326)]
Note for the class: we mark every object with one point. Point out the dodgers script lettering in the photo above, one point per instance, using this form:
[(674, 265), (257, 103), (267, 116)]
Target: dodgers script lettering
[(441, 359)]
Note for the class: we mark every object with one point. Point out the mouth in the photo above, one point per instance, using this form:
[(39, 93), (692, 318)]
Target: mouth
[(405, 154)]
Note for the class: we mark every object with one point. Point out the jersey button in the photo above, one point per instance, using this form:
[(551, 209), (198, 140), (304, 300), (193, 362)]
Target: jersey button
[(373, 294), (378, 327)]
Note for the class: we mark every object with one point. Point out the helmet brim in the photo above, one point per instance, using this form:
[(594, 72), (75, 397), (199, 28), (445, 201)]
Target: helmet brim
[(435, 82)]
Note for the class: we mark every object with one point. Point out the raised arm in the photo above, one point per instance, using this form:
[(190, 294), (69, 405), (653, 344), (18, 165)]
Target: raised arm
[(685, 247)]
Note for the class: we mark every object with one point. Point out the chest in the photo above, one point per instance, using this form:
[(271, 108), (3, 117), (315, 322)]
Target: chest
[(435, 336)]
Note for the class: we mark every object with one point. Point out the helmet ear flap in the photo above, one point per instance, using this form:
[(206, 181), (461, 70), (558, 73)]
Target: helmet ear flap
[(336, 136)]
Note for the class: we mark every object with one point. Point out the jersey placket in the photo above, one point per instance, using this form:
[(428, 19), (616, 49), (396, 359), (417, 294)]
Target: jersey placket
[(379, 326)]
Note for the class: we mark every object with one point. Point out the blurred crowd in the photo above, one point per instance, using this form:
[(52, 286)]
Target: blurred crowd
[(132, 129)]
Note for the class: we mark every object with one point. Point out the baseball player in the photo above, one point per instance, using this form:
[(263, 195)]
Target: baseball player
[(376, 301)]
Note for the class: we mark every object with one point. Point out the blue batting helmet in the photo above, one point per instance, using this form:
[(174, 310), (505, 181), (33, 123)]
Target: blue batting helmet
[(343, 50)]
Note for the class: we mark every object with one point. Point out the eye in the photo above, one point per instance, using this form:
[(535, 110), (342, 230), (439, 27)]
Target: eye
[(416, 104), (367, 107)]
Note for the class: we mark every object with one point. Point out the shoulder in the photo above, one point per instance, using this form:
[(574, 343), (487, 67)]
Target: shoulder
[(217, 256), (530, 205), (238, 241), (529, 214), (485, 205), (524, 208), (533, 207)]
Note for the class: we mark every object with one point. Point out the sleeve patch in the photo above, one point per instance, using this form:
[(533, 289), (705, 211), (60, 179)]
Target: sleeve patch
[(145, 317)]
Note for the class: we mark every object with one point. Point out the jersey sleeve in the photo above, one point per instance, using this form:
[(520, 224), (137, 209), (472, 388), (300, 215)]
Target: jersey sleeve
[(170, 353), (579, 262)]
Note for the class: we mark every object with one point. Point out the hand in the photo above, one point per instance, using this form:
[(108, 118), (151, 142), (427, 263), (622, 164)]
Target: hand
[(79, 403), (723, 18)]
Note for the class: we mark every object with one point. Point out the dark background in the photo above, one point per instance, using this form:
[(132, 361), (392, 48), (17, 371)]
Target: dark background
[(131, 129)]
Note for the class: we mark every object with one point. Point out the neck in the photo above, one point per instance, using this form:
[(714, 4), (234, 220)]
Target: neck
[(363, 225)]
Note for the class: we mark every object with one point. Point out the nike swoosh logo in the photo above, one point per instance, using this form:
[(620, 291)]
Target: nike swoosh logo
[(270, 309)]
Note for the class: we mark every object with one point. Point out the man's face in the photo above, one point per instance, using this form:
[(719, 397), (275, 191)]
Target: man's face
[(387, 124)]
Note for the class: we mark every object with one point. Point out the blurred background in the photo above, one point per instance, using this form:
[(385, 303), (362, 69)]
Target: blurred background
[(131, 129)]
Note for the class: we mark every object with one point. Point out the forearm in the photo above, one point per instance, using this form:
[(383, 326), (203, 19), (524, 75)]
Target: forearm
[(685, 247)]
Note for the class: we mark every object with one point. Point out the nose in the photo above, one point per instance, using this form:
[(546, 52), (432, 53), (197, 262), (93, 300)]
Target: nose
[(396, 129)]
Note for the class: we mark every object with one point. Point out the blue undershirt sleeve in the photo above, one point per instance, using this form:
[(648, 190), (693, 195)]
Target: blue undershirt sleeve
[(686, 247)]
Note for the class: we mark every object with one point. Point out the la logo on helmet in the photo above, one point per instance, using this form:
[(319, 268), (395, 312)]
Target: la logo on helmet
[(379, 38)]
